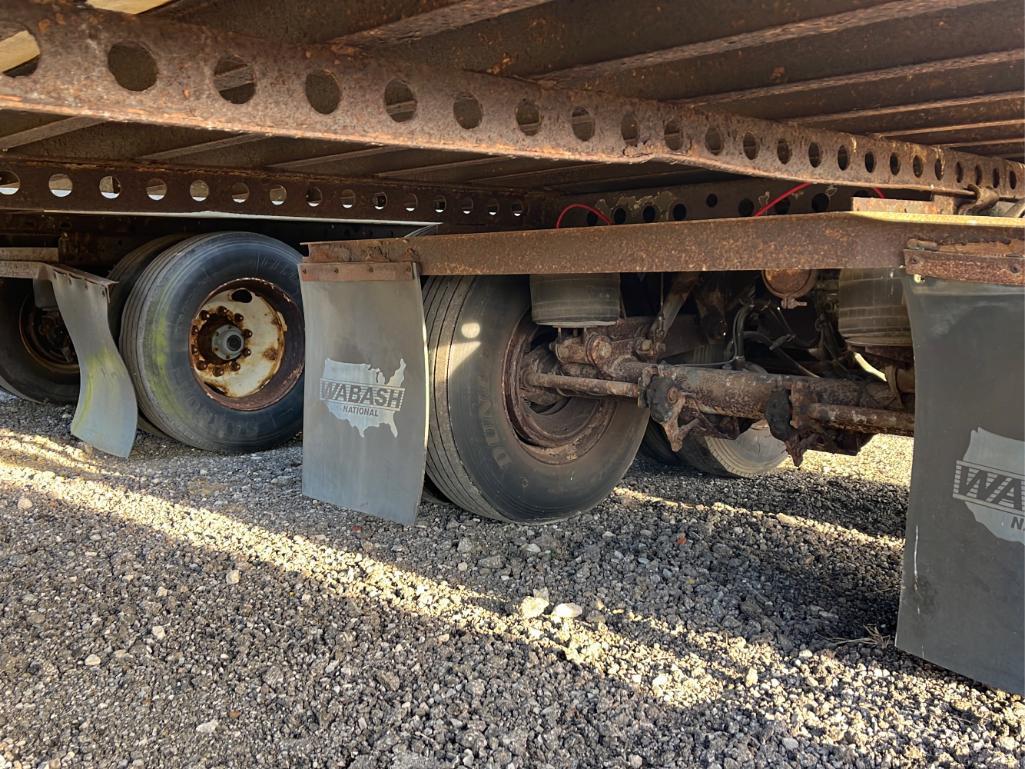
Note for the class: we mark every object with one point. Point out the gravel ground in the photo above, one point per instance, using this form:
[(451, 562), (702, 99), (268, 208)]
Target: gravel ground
[(188, 610)]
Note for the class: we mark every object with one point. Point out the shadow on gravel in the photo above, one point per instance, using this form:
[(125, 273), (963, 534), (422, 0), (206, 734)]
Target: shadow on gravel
[(261, 656), (871, 507), (687, 584)]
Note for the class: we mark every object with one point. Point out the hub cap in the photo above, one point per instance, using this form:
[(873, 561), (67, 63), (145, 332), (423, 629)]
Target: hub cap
[(245, 344)]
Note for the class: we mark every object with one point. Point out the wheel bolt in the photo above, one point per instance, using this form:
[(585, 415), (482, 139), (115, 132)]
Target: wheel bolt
[(223, 311), (218, 371), (235, 365), (246, 352), (201, 365), (247, 333), (204, 315), (195, 331), (238, 318)]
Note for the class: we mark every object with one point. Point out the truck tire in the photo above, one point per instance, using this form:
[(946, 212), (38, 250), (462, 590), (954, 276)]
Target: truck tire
[(755, 452), (205, 373), (37, 360), (489, 449), (127, 272)]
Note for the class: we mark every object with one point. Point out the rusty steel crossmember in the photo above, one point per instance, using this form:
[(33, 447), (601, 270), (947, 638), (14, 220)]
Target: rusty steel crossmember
[(196, 77), (731, 199), (122, 188), (822, 241)]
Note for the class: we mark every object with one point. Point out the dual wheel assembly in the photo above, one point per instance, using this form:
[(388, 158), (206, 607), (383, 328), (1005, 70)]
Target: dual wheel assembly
[(210, 329)]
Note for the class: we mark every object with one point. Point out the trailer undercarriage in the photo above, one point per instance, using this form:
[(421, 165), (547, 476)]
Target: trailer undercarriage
[(534, 245)]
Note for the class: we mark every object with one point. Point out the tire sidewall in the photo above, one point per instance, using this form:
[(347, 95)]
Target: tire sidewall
[(173, 289), (511, 478)]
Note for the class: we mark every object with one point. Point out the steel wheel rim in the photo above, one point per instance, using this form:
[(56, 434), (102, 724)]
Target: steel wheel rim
[(555, 429), (246, 344)]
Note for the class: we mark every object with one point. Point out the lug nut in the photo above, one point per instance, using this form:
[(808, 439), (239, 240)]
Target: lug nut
[(218, 371), (223, 311), (204, 315), (201, 365), (246, 352), (238, 318), (195, 331), (235, 365), (247, 333)]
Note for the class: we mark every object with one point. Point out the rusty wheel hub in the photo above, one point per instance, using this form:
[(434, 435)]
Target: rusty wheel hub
[(240, 346), (46, 338), (554, 427)]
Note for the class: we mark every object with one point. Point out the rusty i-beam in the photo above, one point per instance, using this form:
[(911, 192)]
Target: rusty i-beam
[(108, 66)]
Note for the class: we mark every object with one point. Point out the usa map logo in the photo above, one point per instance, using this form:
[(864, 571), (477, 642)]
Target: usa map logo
[(990, 481), (362, 395)]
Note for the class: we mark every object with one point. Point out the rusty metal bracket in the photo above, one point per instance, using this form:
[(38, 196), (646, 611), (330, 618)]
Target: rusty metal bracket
[(825, 241), (349, 272), (29, 254), (1000, 262), (208, 79)]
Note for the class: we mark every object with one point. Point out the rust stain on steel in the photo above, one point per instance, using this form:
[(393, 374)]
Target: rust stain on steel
[(345, 272), (824, 241), (1000, 263), (575, 125), (867, 407), (863, 419)]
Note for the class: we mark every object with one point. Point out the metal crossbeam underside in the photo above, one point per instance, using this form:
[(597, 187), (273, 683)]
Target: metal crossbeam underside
[(826, 241), (190, 76), (113, 188)]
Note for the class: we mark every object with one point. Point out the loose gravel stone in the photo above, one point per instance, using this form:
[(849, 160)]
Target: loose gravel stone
[(533, 606), (567, 611), (353, 643)]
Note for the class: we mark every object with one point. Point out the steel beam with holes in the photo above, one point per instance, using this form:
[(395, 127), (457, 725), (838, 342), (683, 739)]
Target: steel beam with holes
[(823, 241), (315, 92), (726, 200), (113, 188)]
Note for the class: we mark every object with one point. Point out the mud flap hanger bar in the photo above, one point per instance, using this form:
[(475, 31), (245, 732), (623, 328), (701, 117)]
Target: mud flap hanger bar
[(107, 413), (385, 101), (822, 241)]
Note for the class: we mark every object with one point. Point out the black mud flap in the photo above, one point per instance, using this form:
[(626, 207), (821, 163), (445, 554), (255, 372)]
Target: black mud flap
[(365, 412), (962, 603), (107, 413)]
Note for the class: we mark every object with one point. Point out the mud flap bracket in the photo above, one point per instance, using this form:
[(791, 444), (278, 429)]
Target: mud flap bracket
[(366, 398)]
